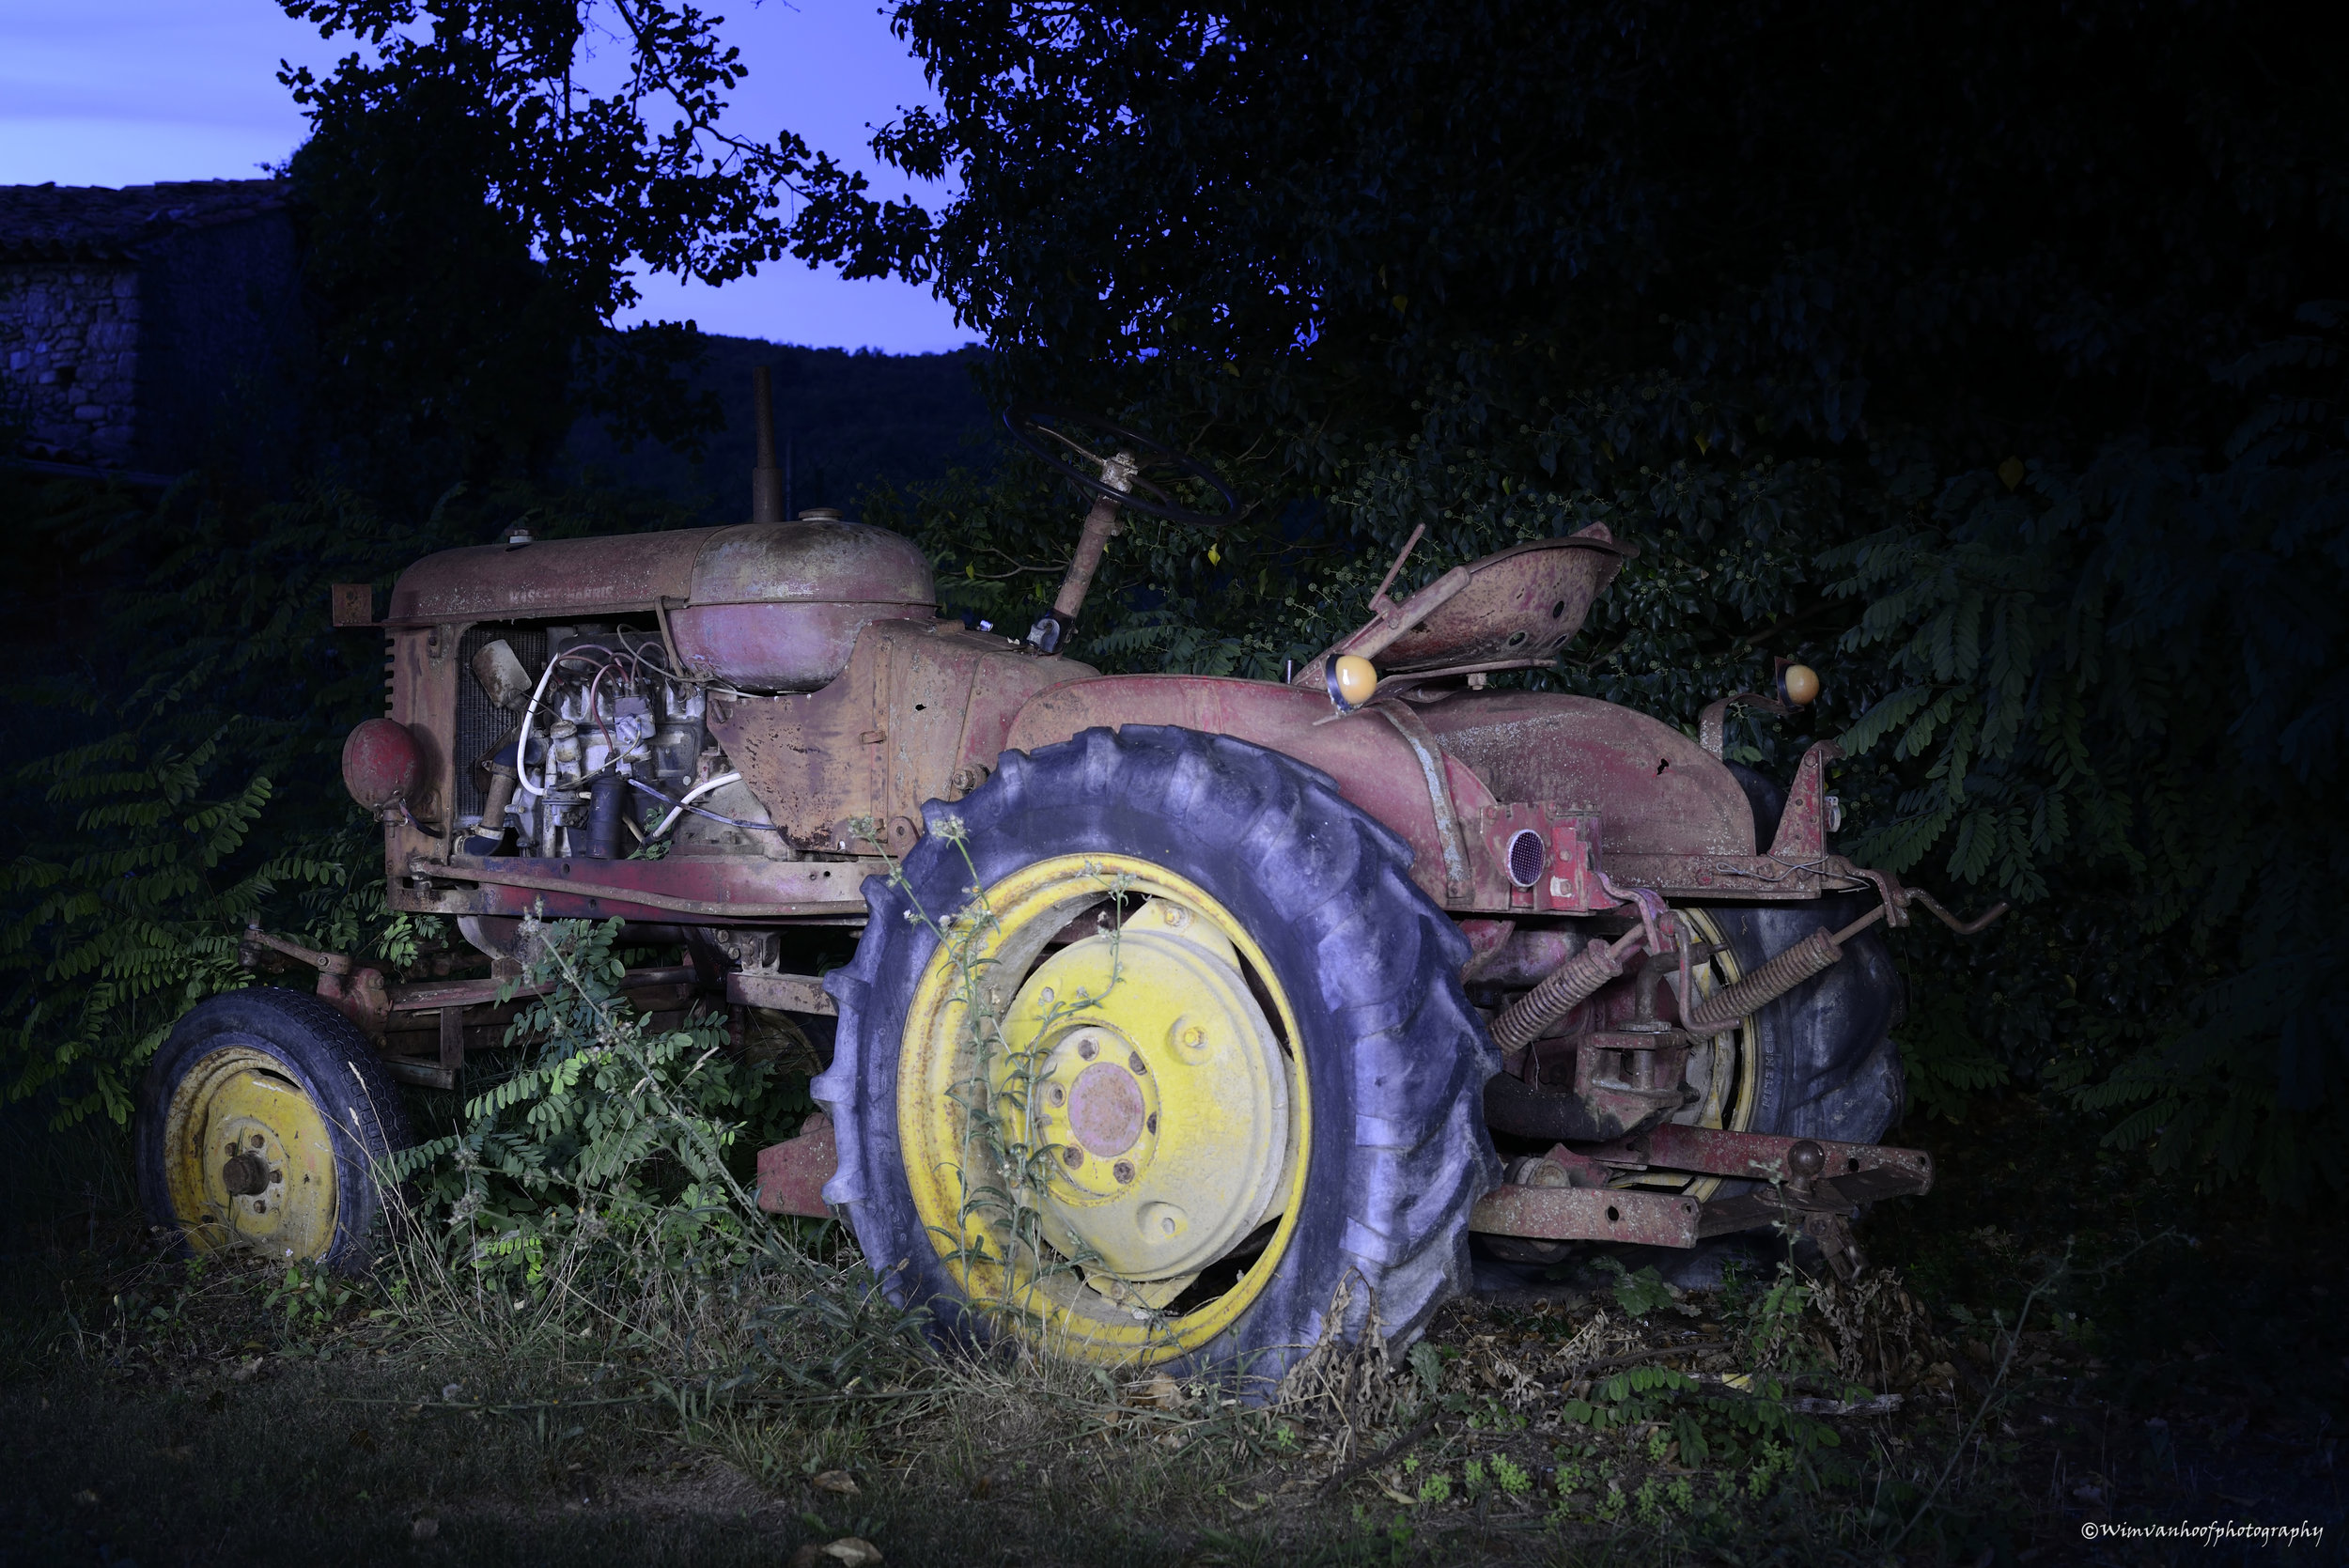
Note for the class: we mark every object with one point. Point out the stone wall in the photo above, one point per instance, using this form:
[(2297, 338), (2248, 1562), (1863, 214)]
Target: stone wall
[(69, 340)]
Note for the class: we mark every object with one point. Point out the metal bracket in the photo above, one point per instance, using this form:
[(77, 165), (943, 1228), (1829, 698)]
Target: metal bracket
[(791, 1174), (1589, 1214), (1458, 884), (353, 604), (1802, 827), (1712, 723), (789, 993)]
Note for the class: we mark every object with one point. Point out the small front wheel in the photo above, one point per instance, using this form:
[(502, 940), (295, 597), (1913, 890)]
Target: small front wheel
[(262, 1126)]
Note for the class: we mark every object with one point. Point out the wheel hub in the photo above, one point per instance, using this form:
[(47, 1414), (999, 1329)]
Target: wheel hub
[(252, 1159), (1106, 1109), (1159, 1092), (1022, 1070), (244, 1175)]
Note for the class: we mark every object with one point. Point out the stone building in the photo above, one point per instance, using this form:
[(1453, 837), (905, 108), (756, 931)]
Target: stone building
[(147, 328)]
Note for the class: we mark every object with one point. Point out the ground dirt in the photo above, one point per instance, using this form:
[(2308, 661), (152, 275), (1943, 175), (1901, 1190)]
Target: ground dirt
[(2184, 1365)]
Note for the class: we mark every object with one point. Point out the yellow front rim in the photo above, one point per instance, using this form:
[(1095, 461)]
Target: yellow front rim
[(1091, 1133), (247, 1158)]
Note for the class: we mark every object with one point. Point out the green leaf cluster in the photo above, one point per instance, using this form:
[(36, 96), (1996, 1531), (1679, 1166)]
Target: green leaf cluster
[(605, 1139)]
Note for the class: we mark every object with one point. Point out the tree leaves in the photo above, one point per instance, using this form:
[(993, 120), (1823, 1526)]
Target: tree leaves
[(603, 1135), (1891, 348), (476, 217), (2156, 710)]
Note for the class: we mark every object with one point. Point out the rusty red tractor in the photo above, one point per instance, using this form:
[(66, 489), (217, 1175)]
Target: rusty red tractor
[(1185, 1010)]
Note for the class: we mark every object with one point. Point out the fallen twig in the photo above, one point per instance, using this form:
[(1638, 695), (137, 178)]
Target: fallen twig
[(656, 1398), (1608, 1363)]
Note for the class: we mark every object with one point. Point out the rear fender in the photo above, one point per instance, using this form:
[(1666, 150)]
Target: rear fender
[(1456, 778), (1657, 793), (1380, 760)]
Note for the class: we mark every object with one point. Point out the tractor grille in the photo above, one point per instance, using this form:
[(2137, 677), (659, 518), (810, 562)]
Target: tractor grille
[(480, 725)]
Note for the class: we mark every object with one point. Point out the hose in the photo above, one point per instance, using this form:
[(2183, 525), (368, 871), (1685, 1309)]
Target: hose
[(678, 808), (529, 713), (522, 740)]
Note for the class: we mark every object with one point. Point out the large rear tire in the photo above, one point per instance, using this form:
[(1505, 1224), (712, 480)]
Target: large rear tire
[(263, 1125), (1331, 1156), (1825, 1066)]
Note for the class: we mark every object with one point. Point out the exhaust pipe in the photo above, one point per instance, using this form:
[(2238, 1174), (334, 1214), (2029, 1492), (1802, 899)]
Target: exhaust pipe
[(766, 497)]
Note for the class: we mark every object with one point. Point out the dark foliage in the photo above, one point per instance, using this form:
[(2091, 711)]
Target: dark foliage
[(200, 785), (1984, 348), (471, 220), (476, 216), (1981, 355)]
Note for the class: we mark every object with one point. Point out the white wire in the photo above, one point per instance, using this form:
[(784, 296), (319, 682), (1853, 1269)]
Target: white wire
[(522, 746), (689, 797)]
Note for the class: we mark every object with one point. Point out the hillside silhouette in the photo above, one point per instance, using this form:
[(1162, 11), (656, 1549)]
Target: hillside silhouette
[(844, 420)]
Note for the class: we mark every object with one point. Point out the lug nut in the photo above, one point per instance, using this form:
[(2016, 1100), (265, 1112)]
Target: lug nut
[(254, 1140), (1072, 1157), (1194, 1037), (1087, 1049), (1151, 1121), (1056, 1095), (1133, 1060), (1123, 1169)]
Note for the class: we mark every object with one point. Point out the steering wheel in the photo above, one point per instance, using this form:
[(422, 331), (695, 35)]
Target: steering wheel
[(1046, 432)]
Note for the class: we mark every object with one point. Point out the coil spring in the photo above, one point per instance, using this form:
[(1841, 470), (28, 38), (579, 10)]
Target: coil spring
[(1813, 954), (1567, 987)]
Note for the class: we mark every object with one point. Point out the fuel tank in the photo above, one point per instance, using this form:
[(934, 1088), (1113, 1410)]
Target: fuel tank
[(765, 606)]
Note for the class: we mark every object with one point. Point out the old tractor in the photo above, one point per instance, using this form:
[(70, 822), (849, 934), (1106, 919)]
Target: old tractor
[(1182, 1008)]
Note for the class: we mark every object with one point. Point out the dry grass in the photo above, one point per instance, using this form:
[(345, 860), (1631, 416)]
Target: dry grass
[(217, 1413), (158, 1414)]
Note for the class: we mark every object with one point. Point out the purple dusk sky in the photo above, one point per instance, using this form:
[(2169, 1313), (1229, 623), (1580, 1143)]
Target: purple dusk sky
[(124, 92)]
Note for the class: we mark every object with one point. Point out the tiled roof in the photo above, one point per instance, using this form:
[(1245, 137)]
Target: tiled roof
[(97, 223)]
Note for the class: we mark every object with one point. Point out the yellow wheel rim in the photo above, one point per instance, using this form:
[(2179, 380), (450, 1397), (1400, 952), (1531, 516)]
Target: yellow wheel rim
[(248, 1158), (1091, 1133), (1730, 1084)]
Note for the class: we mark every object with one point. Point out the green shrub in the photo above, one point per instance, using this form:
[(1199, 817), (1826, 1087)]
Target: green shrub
[(604, 1141)]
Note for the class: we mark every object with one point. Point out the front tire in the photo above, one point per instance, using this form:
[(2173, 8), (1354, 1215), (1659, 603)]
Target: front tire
[(262, 1125), (1343, 1147)]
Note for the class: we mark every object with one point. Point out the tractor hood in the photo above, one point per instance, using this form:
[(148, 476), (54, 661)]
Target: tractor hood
[(771, 607)]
